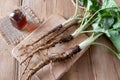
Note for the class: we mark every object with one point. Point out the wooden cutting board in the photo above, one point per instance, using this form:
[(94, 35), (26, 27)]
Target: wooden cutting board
[(56, 70)]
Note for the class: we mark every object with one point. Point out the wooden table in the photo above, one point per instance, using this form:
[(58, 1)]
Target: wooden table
[(96, 64)]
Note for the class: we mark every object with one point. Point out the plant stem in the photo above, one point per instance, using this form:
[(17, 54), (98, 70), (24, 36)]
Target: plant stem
[(85, 25), (89, 41), (88, 22), (76, 8), (90, 31), (77, 17), (82, 27), (115, 53)]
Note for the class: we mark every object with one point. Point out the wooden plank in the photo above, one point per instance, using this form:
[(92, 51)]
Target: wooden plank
[(8, 65), (81, 70), (44, 8), (97, 61), (7, 6), (118, 2), (102, 62)]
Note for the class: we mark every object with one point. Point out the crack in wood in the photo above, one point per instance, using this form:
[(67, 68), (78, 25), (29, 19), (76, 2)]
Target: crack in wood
[(92, 64), (115, 67), (21, 2), (16, 70)]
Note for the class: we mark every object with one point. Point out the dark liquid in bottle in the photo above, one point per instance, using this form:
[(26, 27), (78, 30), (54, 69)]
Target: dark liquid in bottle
[(18, 19)]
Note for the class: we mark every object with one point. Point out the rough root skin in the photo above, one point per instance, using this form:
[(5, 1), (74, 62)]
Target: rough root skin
[(40, 48), (66, 39), (63, 39), (50, 43), (57, 28), (58, 57)]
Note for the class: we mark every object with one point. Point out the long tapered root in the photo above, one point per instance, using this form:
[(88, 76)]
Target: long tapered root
[(56, 57), (25, 69), (40, 48), (64, 39), (61, 40), (56, 29), (49, 44)]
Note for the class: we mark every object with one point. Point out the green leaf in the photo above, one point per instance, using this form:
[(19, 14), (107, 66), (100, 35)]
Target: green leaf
[(106, 22), (103, 24), (108, 4), (93, 5), (107, 16), (115, 38), (117, 23), (98, 29)]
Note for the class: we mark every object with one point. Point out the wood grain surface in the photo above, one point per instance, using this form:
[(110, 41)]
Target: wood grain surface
[(96, 64)]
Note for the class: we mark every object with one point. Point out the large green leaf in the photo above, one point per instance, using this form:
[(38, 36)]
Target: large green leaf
[(108, 4), (117, 23), (93, 5), (115, 38), (106, 22), (109, 22)]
